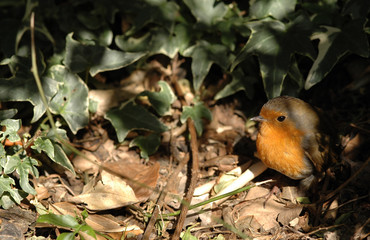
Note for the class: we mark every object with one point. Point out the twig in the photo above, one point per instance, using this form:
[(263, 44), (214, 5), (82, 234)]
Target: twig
[(193, 181), (324, 228), (194, 153), (332, 194)]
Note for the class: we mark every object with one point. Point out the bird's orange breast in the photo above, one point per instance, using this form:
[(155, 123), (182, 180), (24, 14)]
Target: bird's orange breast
[(280, 149)]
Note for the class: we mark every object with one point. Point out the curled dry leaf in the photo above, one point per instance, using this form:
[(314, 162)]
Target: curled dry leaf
[(108, 193)]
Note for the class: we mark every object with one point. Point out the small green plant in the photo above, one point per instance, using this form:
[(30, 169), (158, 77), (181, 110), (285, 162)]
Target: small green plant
[(76, 224), (17, 160)]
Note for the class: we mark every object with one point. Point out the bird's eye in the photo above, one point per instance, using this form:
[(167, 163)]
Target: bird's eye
[(281, 118)]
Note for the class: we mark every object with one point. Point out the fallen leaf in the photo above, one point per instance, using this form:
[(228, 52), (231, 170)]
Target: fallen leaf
[(110, 192), (142, 178), (259, 214)]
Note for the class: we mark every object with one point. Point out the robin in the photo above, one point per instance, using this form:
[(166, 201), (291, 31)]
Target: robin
[(295, 139)]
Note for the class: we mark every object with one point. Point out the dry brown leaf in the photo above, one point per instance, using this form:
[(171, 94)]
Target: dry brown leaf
[(108, 193), (256, 213), (290, 193), (81, 164), (140, 177)]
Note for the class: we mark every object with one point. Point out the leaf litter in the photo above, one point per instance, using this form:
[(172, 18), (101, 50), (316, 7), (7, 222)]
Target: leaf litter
[(121, 190)]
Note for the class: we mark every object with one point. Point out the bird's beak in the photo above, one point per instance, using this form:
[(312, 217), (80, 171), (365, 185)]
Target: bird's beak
[(258, 119)]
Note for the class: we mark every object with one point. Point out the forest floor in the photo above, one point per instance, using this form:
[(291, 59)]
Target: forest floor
[(128, 197)]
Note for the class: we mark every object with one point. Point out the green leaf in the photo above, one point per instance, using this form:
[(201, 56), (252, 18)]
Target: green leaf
[(66, 236), (95, 59), (3, 159), (6, 186), (11, 164), (274, 43), (71, 100), (357, 8), (161, 101), (84, 214), (24, 168), (44, 144), (187, 235), (203, 55), (335, 43), (196, 113), (88, 230), (239, 82), (278, 9), (157, 40), (8, 113), (9, 198), (147, 144), (207, 12), (52, 136), (11, 129), (130, 116), (61, 158), (93, 105), (22, 86), (67, 221), (159, 12), (294, 81)]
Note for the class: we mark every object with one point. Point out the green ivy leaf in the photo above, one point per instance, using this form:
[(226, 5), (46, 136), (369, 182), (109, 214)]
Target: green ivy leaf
[(6, 187), (11, 164), (44, 144), (161, 101), (207, 12), (203, 55), (147, 144), (8, 113), (357, 8), (196, 113), (52, 136), (157, 40), (160, 12), (274, 43), (3, 159), (24, 168), (278, 9), (239, 82), (22, 86), (10, 197), (71, 100), (80, 57), (11, 129), (130, 116), (61, 158), (335, 43)]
